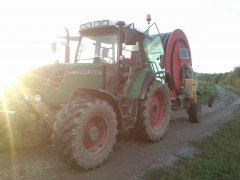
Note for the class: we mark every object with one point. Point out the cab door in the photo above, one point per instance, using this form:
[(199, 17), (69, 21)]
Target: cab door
[(154, 50)]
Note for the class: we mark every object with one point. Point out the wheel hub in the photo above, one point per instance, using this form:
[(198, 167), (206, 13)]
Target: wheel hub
[(94, 133), (157, 111)]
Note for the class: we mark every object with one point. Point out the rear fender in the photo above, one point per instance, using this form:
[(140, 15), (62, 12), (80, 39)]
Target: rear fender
[(148, 79), (141, 83)]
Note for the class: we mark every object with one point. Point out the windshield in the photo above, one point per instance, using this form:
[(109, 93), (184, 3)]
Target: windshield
[(98, 49)]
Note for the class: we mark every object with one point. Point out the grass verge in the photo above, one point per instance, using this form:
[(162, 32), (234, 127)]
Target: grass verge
[(219, 159), (235, 89)]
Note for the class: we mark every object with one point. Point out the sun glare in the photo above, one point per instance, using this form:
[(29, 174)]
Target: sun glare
[(7, 78)]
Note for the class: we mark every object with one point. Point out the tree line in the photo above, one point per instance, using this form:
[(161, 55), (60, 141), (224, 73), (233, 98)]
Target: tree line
[(228, 79)]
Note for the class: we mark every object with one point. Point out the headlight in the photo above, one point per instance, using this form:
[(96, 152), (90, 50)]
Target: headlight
[(97, 23), (89, 25), (83, 26), (38, 98), (26, 97)]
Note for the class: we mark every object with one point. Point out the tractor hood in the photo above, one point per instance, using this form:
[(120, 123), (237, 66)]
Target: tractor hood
[(56, 83), (65, 76), (37, 78), (33, 80)]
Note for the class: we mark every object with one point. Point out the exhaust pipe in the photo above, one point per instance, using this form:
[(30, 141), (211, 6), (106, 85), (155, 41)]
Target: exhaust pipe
[(67, 47)]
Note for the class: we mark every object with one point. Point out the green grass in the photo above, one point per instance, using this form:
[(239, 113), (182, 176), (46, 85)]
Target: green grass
[(206, 91), (219, 159), (235, 89)]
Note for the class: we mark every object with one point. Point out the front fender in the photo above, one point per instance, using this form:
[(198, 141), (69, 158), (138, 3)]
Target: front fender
[(104, 95)]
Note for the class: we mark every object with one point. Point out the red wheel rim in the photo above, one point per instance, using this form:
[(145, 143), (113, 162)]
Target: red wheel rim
[(95, 135), (157, 110)]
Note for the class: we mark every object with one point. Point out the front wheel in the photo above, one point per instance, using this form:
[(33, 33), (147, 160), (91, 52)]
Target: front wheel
[(85, 131), (195, 112), (154, 114)]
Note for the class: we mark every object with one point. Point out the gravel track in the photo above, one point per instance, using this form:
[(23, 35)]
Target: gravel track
[(130, 158)]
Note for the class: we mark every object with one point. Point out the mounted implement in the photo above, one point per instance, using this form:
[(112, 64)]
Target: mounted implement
[(177, 61)]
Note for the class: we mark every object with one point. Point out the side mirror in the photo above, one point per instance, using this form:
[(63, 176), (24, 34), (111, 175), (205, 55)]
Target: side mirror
[(130, 36)]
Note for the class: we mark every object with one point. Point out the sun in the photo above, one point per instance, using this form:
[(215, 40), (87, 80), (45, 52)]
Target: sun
[(8, 77)]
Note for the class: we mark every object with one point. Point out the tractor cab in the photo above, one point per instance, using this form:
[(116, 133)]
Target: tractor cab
[(121, 50)]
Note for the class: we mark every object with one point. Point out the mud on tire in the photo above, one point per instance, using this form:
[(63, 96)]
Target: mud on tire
[(85, 131), (154, 114)]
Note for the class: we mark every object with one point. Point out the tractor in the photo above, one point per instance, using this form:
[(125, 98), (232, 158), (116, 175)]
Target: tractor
[(118, 78)]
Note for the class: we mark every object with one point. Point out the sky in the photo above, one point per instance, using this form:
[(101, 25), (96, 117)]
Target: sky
[(28, 27)]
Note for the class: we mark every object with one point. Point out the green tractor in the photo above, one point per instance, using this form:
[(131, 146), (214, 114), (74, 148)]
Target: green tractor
[(111, 85), (118, 79)]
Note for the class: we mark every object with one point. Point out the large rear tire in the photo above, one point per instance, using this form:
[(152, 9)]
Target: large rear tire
[(154, 114), (85, 131)]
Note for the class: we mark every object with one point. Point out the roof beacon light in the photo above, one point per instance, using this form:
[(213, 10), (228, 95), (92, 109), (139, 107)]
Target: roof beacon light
[(148, 18)]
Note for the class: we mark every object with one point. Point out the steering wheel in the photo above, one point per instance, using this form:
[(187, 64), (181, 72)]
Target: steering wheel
[(99, 60)]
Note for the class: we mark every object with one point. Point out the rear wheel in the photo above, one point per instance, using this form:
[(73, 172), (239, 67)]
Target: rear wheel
[(195, 113), (154, 114), (85, 131)]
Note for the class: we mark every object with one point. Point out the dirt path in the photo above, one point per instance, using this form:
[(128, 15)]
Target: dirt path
[(130, 157)]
